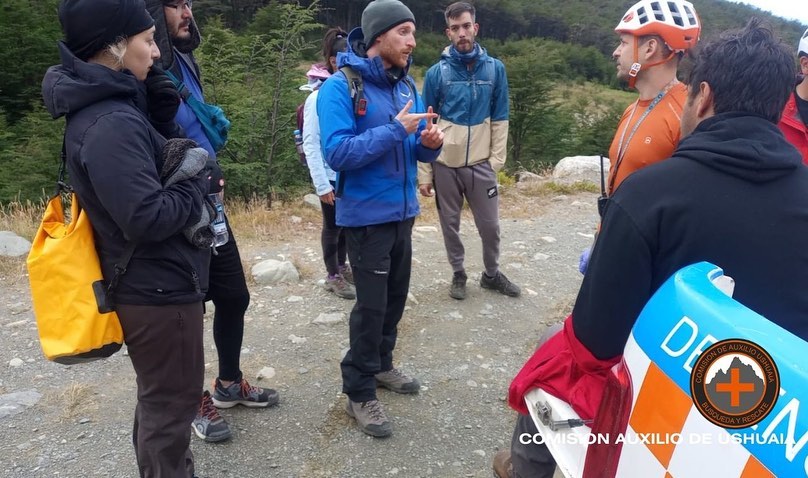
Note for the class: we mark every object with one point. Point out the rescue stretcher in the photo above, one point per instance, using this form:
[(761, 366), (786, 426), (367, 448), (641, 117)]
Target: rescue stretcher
[(648, 425)]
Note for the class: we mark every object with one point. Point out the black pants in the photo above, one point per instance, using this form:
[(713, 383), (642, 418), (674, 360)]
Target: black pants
[(531, 460), (332, 239), (381, 259), (228, 291), (165, 346)]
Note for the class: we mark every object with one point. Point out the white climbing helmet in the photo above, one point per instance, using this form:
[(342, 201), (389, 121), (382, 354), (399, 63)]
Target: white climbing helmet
[(803, 46), (675, 21)]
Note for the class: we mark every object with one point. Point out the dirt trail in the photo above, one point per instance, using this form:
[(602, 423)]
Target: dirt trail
[(464, 353)]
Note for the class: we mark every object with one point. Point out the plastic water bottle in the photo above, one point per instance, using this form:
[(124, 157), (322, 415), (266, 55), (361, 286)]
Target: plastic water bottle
[(219, 223), (299, 142)]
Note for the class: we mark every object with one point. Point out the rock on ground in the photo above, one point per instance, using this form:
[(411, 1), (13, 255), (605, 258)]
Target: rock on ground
[(574, 169)]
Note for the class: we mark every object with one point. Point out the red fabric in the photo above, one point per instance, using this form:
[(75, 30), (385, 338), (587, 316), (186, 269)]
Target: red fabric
[(794, 129), (564, 368)]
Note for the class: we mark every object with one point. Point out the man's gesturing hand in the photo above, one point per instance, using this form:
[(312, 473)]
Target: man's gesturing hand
[(410, 120), (431, 136)]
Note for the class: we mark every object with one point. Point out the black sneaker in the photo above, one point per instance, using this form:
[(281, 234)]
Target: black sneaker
[(500, 283), (458, 289)]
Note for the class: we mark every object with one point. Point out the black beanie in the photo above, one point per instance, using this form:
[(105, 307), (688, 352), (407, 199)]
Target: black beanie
[(382, 15), (92, 25)]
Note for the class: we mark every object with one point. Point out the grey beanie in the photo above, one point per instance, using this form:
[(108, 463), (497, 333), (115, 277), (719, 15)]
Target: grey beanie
[(382, 15)]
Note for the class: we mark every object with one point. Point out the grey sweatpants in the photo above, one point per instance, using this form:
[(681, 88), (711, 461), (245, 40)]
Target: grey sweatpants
[(478, 185)]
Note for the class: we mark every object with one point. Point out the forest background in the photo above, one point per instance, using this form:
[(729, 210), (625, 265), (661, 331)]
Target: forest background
[(565, 99)]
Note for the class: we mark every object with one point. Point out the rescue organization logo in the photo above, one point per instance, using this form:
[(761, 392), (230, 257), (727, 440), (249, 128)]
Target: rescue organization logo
[(735, 383)]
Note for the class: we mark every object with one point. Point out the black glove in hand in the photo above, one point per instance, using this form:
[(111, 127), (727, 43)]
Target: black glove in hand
[(163, 98), (215, 176)]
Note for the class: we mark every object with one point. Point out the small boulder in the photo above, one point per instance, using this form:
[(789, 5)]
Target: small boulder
[(575, 169), (271, 272), (12, 245), (312, 200)]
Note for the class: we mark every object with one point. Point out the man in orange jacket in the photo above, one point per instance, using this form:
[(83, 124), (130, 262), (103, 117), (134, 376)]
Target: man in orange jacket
[(647, 58), (794, 123)]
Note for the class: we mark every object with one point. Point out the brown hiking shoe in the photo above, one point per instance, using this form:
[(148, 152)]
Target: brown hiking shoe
[(340, 287), (370, 417), (502, 464), (347, 273), (395, 380)]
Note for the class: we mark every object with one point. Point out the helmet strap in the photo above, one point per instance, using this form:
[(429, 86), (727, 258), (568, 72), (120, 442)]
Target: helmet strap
[(637, 66)]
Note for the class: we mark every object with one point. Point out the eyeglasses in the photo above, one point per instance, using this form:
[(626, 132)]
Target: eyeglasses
[(180, 5)]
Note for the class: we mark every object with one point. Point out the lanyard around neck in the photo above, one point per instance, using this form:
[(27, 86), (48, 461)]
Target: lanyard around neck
[(622, 147)]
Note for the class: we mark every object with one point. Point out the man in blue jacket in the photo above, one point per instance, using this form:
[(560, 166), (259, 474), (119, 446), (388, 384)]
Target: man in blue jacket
[(374, 142), (469, 90)]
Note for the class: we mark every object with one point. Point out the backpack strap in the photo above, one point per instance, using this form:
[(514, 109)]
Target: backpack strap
[(61, 182), (356, 89), (445, 77), (179, 85)]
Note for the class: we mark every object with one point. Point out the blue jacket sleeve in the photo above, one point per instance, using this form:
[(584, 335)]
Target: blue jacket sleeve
[(344, 149), (501, 110)]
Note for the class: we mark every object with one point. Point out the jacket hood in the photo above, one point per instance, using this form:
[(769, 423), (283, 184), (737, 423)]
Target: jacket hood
[(356, 56), (318, 71), (163, 38), (73, 85), (316, 75), (743, 145)]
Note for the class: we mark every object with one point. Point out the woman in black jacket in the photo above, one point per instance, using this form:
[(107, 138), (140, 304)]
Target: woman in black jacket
[(113, 161)]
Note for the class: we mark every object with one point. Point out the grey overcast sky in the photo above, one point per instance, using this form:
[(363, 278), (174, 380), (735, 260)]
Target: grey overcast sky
[(789, 9)]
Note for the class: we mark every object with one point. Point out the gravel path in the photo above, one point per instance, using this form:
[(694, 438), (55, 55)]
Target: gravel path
[(77, 420)]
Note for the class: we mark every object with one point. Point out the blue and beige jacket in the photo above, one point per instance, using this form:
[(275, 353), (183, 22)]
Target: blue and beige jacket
[(375, 158), (473, 108)]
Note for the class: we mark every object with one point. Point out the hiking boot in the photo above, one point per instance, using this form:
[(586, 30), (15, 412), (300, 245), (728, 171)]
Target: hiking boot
[(458, 289), (370, 417), (500, 283), (208, 424), (340, 287), (241, 392), (395, 380), (502, 464), (347, 273)]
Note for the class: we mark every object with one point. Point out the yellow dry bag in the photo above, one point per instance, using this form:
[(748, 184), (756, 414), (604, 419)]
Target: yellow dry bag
[(63, 267)]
